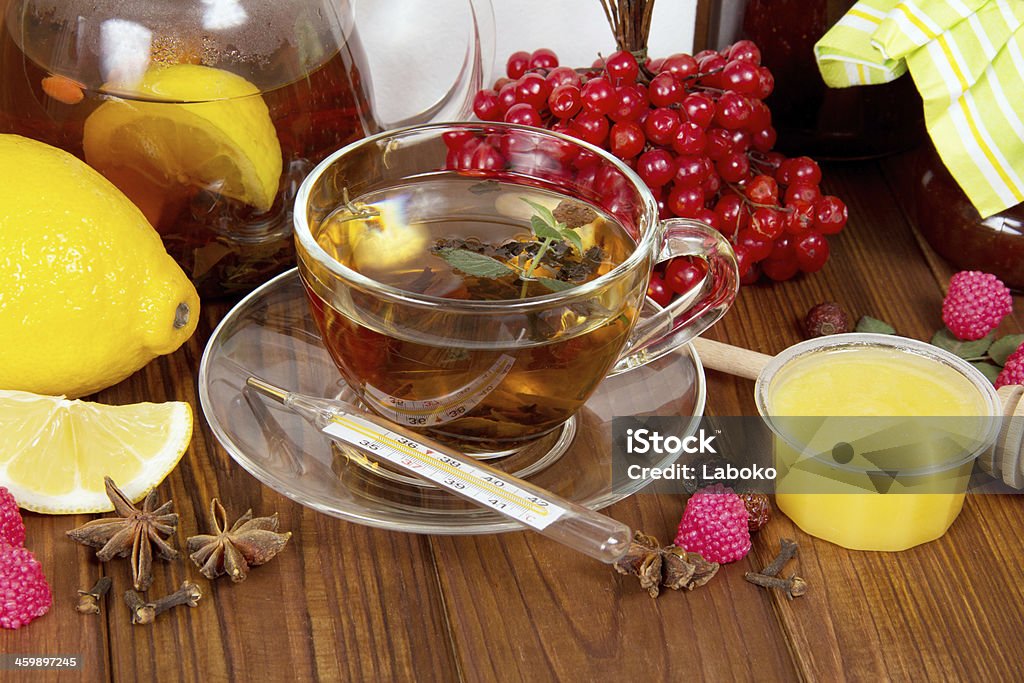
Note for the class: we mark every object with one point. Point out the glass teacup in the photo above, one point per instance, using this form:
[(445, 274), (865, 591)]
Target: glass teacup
[(490, 361)]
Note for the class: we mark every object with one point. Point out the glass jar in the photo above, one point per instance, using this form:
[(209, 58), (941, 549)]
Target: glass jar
[(954, 228), (811, 118)]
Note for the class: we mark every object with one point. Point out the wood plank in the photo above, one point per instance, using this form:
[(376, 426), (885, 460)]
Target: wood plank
[(949, 609), (523, 608)]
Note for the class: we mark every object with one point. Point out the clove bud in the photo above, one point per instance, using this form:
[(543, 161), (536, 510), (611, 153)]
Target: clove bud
[(145, 612), (89, 601), (793, 587)]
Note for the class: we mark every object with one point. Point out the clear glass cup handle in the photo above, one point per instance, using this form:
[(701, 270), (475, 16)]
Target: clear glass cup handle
[(661, 330), (456, 104)]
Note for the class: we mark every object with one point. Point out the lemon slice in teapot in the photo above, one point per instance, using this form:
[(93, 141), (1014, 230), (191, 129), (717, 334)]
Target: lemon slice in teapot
[(192, 125)]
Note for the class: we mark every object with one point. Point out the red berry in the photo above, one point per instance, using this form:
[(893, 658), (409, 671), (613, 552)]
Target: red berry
[(523, 114), (658, 292), (799, 169), (626, 139), (744, 260), (762, 190), (655, 167), (765, 84), (630, 103), (486, 106), (507, 96), (767, 222), (684, 273), (12, 528), (712, 184), (542, 59), (811, 252), (779, 269), (744, 51), (699, 108), (763, 139), (665, 90), (742, 77), (710, 68), (680, 65), (517, 64), (709, 217), (598, 95), (26, 594), (621, 68), (718, 144), (975, 304), (533, 90), (733, 167), (800, 218), (685, 201), (661, 126), (591, 127), (715, 525), (829, 215), (565, 101), (733, 110), (691, 171), (689, 139), (760, 247), (802, 192), (563, 75), (732, 214)]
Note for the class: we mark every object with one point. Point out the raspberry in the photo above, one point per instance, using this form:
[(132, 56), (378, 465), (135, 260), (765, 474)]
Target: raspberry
[(12, 528), (1013, 371), (975, 304), (24, 593), (714, 524)]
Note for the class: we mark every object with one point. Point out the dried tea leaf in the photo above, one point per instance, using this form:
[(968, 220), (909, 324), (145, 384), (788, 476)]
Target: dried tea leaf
[(1004, 346), (967, 350), (874, 326), (475, 264), (990, 371)]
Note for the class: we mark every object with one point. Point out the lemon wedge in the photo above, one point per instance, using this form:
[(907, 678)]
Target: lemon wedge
[(54, 452), (190, 125)]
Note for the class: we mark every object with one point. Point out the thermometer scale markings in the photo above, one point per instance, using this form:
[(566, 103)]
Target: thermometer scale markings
[(464, 478)]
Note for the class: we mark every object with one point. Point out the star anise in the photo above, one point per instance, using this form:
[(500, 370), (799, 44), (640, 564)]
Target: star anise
[(251, 541), (134, 531), (669, 566)]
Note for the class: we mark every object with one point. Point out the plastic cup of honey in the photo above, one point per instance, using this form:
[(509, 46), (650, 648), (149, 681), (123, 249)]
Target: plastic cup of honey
[(875, 437)]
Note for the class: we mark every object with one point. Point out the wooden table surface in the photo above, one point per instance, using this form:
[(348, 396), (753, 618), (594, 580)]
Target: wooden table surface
[(346, 602)]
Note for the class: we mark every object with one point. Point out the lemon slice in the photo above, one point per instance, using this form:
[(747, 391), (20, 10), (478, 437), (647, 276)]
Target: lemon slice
[(55, 452), (208, 128)]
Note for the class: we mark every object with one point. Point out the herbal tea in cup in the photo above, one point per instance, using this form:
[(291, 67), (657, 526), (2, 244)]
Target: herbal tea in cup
[(484, 305)]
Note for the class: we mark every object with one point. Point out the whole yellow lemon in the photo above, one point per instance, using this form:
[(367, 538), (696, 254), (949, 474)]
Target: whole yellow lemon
[(88, 294)]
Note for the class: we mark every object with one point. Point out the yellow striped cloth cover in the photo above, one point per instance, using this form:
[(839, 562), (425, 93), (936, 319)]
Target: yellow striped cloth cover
[(967, 59)]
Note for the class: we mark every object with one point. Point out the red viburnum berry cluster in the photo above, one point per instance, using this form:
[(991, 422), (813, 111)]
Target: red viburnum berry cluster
[(698, 133)]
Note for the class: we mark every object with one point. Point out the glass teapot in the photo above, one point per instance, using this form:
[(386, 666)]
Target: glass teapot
[(208, 113)]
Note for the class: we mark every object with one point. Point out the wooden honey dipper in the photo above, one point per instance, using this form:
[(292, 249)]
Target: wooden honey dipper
[(1004, 460)]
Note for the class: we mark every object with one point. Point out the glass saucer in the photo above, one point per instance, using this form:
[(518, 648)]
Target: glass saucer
[(271, 334)]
